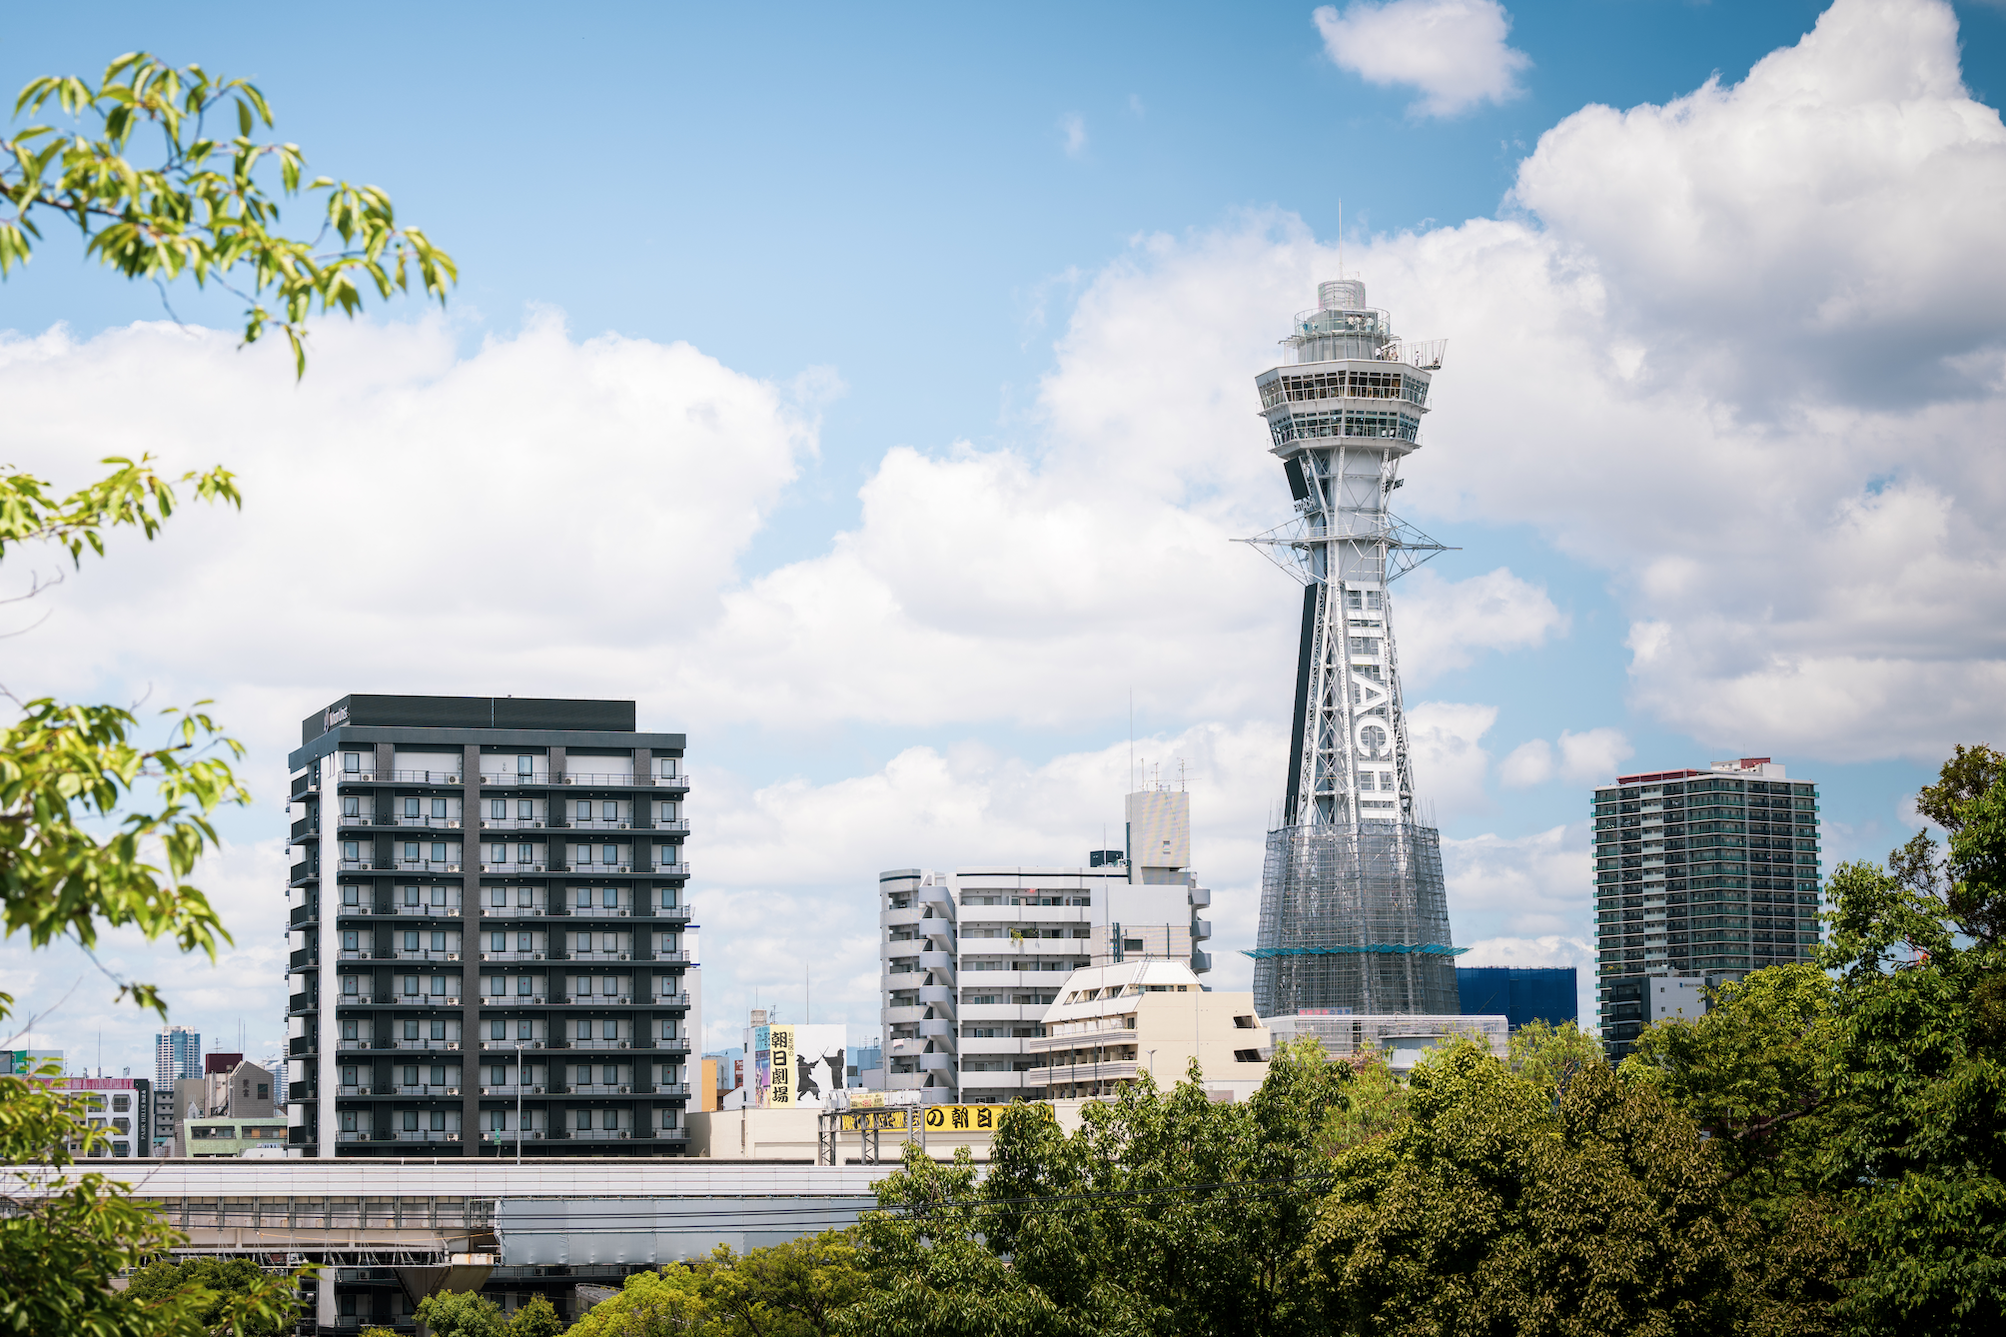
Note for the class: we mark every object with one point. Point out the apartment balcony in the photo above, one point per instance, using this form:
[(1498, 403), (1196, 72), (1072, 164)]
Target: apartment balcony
[(1201, 897), (515, 869), (673, 824), (597, 824), (534, 910), (936, 1028), (676, 913), (938, 1062), (673, 869), (1083, 1074), (409, 865), (357, 1045), (511, 780), (429, 1046), (679, 957), (518, 824), (891, 919), (527, 1046), (422, 954), (421, 1135), (407, 822), (513, 1090), (672, 1000), (1201, 929), (302, 915), (600, 1134), (600, 1089), (1083, 1039), (1005, 1045), (301, 958)]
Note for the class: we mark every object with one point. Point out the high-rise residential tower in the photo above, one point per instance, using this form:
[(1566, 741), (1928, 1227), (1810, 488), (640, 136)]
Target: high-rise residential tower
[(177, 1053), (1353, 909), (972, 959), (492, 946), (1700, 877)]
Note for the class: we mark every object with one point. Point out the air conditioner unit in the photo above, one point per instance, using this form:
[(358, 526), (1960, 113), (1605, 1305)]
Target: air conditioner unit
[(626, 1090), (536, 826), (623, 826), (621, 957), (536, 1090), (536, 956)]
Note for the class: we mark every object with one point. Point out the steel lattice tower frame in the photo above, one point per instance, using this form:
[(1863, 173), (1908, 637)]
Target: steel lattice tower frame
[(1353, 910)]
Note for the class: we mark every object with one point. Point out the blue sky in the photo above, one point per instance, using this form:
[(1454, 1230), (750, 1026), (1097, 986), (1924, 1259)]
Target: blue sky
[(914, 238)]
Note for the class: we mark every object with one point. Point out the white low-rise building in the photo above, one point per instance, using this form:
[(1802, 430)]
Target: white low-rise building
[(971, 959), (1113, 1023)]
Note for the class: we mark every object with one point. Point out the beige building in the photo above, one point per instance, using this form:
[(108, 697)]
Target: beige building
[(1112, 1023)]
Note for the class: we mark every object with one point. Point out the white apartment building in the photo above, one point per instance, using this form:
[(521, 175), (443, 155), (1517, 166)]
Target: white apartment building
[(972, 959)]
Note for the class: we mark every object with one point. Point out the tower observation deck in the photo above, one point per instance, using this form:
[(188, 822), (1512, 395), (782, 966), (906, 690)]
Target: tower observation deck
[(1353, 909)]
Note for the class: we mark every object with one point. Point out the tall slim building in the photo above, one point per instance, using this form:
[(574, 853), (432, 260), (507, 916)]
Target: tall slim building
[(489, 916), (1353, 914), (177, 1053), (972, 959), (1700, 877)]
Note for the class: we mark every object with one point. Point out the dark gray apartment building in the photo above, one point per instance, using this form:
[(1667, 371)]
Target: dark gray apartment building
[(492, 948), (1701, 877)]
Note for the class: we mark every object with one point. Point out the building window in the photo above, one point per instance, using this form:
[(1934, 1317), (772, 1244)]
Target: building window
[(585, 810), (609, 854), (585, 1028), (498, 1030), (522, 985), (411, 985), (349, 941), (410, 896), (609, 811), (351, 763), (438, 986), (411, 808), (525, 809), (351, 806), (585, 1119), (498, 809), (351, 850), (350, 986), (525, 765), (438, 851), (584, 854), (410, 1121), (439, 808), (525, 854)]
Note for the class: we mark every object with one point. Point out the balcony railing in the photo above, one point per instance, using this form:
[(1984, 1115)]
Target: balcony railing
[(672, 1000), (673, 869), (601, 1134), (515, 778), (424, 1135), (516, 956), (373, 776), (515, 824), (540, 1042), (597, 824)]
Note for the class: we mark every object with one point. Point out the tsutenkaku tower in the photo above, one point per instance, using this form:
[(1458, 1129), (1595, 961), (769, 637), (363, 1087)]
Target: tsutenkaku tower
[(1353, 910)]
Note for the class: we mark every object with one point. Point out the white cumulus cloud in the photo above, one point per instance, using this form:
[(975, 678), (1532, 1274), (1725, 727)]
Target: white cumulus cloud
[(1588, 757), (1453, 51)]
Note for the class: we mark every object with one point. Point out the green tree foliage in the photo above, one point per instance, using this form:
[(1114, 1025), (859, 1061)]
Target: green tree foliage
[(1499, 1208), (1919, 1063), (228, 1281), (198, 208), (794, 1289), (1549, 1056), (651, 1304), (66, 1235), (1165, 1212), (100, 825), (929, 1269), (462, 1314), (538, 1318)]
